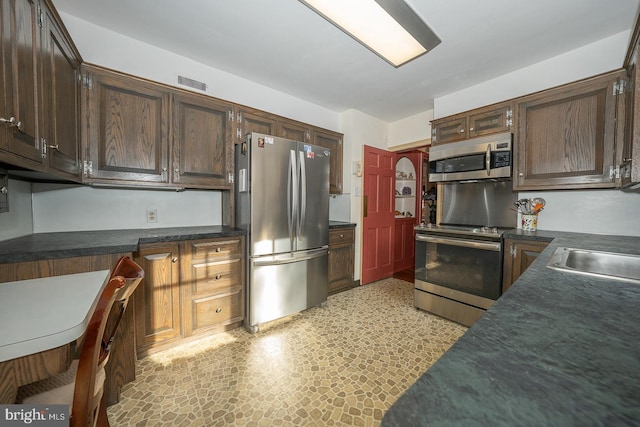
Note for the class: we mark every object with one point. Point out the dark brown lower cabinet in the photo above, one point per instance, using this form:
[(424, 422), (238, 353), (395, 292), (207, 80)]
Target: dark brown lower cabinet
[(157, 299), (341, 259), (190, 287), (518, 256)]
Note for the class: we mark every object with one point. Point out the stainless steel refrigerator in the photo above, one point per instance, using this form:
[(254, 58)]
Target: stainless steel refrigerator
[(282, 200)]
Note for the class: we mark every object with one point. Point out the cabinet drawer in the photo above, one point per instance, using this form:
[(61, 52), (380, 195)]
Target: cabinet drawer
[(217, 310), (342, 235), (202, 249), (212, 277)]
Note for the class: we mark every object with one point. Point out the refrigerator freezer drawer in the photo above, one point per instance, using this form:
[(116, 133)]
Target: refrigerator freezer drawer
[(284, 285)]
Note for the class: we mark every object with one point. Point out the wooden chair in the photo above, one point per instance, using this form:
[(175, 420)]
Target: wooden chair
[(82, 385)]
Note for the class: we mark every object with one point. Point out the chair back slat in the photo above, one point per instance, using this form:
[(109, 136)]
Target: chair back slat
[(87, 404)]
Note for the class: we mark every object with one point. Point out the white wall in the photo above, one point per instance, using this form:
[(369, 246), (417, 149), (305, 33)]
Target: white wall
[(595, 58), (410, 129), (601, 212), (19, 220), (359, 129), (59, 207), (590, 211)]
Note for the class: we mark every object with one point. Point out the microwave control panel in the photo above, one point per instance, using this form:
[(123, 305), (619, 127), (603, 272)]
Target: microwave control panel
[(500, 159)]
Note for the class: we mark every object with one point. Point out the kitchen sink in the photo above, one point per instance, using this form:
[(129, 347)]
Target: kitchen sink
[(595, 263)]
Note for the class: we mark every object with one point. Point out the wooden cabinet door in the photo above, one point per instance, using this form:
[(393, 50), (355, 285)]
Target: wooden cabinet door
[(566, 136), (332, 141), (249, 120), (61, 100), (202, 147), (341, 259), (157, 299), (449, 130), (293, 130), (518, 256), (20, 49), (404, 244), (486, 121), (128, 129), (629, 156)]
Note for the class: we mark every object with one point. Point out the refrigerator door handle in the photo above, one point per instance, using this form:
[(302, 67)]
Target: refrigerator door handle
[(290, 258), (303, 194), (292, 197)]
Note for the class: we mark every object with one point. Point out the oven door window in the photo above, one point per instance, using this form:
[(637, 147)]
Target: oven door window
[(472, 267), (470, 163)]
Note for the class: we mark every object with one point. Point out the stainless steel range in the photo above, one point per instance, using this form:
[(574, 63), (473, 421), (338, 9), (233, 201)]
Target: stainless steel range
[(458, 271)]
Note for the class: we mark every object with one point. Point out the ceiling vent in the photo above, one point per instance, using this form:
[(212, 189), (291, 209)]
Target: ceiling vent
[(186, 81)]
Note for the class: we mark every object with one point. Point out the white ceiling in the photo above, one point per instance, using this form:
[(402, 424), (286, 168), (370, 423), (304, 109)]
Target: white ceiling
[(282, 44)]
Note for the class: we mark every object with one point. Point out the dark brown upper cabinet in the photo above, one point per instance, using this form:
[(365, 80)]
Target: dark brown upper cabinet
[(250, 120), (146, 133), (567, 136), (40, 83), (482, 121), (127, 123), (296, 131), (332, 141), (202, 155), (19, 107), (60, 99)]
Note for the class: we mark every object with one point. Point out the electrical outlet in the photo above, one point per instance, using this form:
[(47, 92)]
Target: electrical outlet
[(152, 215)]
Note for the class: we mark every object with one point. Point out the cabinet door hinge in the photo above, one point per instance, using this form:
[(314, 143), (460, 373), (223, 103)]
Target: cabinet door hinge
[(230, 115), (433, 135), (230, 178), (509, 123), (40, 18), (308, 135), (239, 117), (87, 81), (88, 167), (238, 133), (619, 87), (512, 251)]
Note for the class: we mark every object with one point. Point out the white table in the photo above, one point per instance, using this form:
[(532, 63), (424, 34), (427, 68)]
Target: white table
[(39, 318), (41, 314)]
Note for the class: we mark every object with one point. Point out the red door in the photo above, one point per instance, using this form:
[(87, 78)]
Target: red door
[(378, 214)]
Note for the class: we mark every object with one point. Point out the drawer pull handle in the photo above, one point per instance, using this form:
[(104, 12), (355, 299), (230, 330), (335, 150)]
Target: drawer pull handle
[(174, 259), (218, 276), (218, 310), (218, 249), (341, 236)]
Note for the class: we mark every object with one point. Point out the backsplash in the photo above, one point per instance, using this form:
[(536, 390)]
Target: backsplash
[(19, 220), (589, 211), (340, 207), (62, 207)]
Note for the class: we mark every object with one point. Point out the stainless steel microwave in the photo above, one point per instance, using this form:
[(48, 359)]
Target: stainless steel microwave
[(486, 157)]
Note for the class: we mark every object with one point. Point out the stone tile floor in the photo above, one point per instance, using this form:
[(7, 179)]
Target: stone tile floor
[(344, 364)]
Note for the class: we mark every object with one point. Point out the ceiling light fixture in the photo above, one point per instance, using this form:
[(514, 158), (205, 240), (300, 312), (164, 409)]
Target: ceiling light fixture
[(389, 28)]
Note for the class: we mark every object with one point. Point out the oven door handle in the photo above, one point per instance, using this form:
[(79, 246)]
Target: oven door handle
[(489, 246)]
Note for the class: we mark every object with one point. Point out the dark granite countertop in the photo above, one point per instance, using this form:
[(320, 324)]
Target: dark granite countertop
[(557, 349), (80, 243), (340, 224)]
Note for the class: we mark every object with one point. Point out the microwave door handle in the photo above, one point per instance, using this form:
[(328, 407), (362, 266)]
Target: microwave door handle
[(487, 160)]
